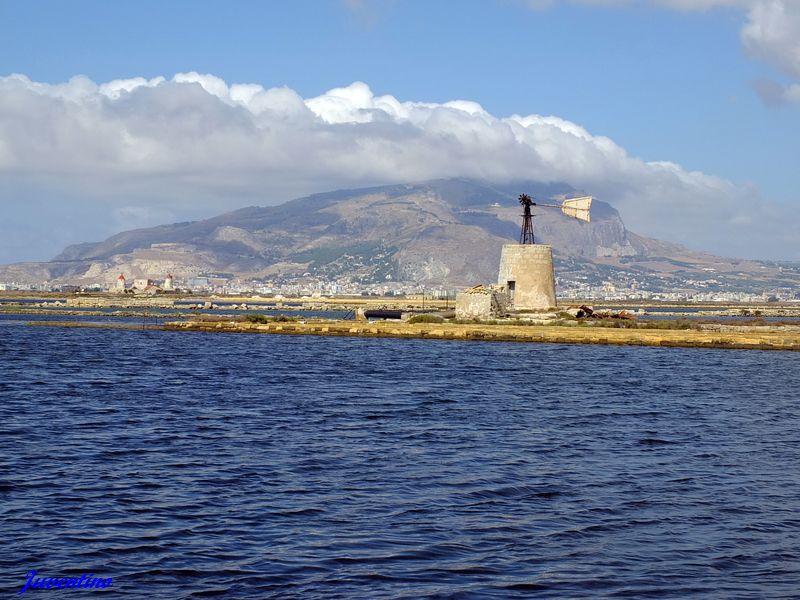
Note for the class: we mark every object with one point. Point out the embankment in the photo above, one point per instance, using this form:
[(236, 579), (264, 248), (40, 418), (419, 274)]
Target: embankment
[(771, 338)]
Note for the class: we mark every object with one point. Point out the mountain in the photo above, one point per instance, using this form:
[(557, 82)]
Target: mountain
[(443, 232)]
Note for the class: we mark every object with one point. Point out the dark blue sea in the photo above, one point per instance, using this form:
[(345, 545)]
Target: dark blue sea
[(201, 465)]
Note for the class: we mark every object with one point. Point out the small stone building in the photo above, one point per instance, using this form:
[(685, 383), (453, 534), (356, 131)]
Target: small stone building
[(482, 302)]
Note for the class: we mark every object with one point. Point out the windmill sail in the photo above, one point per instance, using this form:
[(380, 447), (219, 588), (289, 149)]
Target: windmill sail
[(577, 208)]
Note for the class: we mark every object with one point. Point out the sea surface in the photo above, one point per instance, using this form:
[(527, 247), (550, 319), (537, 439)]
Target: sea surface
[(202, 465)]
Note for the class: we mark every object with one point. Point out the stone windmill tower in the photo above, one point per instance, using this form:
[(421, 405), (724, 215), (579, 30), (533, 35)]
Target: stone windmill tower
[(526, 269), (526, 281)]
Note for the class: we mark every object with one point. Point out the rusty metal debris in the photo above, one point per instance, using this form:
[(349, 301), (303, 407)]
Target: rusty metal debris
[(587, 312)]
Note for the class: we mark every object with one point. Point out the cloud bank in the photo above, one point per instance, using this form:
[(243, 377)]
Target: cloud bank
[(143, 151)]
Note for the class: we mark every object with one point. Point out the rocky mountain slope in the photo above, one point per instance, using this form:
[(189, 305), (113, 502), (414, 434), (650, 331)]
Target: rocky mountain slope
[(443, 232)]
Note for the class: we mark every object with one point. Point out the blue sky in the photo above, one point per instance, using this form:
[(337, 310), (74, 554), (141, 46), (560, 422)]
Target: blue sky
[(663, 84)]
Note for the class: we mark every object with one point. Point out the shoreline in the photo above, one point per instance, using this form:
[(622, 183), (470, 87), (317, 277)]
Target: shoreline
[(25, 300), (769, 339)]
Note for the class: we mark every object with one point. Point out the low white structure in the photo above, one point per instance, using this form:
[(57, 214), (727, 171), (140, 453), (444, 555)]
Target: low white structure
[(482, 302)]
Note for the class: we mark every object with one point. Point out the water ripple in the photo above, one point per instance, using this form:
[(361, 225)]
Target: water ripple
[(221, 466)]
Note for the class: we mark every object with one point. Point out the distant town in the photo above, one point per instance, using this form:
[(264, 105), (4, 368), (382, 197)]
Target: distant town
[(618, 286)]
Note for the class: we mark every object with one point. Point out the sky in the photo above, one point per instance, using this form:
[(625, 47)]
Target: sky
[(683, 114)]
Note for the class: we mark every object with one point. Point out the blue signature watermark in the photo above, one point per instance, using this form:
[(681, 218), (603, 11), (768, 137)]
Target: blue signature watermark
[(84, 582)]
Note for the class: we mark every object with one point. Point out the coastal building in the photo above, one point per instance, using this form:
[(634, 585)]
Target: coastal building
[(198, 283), (168, 283), (149, 290), (141, 284), (120, 285)]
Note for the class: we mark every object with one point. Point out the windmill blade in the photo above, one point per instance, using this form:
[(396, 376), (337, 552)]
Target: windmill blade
[(577, 208)]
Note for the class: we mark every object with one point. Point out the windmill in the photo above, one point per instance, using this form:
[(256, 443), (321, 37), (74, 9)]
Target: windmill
[(577, 208), (526, 281)]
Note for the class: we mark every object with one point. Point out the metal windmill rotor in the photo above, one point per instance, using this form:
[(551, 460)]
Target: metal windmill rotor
[(576, 208)]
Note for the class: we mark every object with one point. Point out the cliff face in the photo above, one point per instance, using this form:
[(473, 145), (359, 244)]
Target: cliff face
[(444, 232)]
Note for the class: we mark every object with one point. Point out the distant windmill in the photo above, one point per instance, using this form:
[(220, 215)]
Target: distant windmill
[(577, 208)]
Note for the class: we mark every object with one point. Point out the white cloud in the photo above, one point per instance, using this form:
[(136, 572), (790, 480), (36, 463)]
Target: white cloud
[(114, 89), (196, 143), (771, 33), (775, 93)]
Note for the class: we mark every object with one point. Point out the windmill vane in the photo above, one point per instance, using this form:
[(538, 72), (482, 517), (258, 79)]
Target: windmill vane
[(576, 208)]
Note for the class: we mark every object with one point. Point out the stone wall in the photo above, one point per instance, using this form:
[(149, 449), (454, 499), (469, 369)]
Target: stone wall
[(485, 303), (473, 306)]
